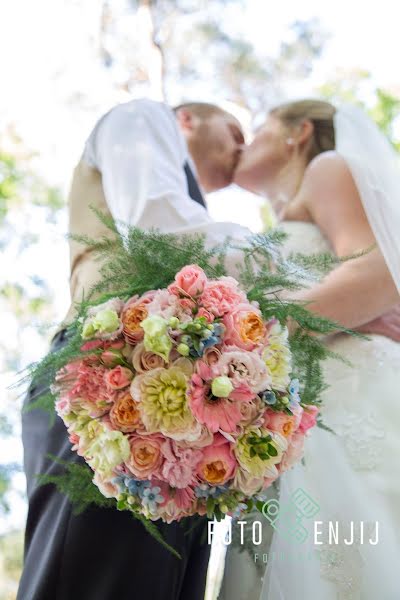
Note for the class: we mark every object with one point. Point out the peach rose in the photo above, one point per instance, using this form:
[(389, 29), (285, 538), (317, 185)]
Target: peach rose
[(146, 456), (189, 281), (218, 463), (280, 422), (125, 413), (134, 312), (245, 327), (118, 377)]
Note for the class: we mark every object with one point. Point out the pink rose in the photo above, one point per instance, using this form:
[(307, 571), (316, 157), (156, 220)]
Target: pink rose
[(211, 356), (189, 281), (206, 314), (245, 327), (146, 456), (308, 418), (143, 361), (112, 352), (219, 297), (118, 377), (252, 413), (218, 463)]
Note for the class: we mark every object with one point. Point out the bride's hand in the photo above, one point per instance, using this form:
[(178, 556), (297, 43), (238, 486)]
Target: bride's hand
[(387, 325)]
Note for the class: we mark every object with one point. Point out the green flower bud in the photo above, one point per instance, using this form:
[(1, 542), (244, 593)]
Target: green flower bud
[(223, 508), (174, 322), (285, 400), (183, 349), (221, 387)]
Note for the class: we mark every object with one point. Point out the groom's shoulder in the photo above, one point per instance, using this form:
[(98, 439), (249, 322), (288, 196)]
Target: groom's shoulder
[(144, 107)]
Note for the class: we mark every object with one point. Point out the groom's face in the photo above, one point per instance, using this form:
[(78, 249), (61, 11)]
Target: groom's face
[(215, 145)]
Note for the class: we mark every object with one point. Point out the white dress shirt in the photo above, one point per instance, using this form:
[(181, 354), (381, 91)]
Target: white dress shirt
[(140, 152)]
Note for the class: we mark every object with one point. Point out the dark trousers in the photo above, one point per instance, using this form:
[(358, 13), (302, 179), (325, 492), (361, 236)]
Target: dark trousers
[(101, 554)]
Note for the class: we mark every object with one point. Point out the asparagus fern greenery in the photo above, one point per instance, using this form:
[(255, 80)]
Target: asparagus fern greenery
[(138, 261)]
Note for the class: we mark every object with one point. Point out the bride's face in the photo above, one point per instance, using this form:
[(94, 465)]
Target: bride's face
[(265, 157)]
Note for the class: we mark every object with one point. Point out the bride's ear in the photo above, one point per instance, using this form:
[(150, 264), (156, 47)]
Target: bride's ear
[(305, 131)]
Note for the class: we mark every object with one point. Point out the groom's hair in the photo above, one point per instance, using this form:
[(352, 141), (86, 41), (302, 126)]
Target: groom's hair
[(203, 110)]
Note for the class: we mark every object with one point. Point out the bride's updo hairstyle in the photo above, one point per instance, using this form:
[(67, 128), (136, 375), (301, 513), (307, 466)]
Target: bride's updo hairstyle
[(320, 113)]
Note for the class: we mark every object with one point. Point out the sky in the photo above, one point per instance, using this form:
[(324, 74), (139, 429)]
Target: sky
[(53, 92)]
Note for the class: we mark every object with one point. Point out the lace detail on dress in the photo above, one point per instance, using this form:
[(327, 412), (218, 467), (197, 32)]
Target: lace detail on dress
[(362, 435), (343, 564)]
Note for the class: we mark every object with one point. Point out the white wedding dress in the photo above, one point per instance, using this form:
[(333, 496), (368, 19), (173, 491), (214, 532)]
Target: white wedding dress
[(353, 475)]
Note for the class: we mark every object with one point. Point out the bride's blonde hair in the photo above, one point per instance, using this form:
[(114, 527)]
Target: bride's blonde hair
[(320, 113)]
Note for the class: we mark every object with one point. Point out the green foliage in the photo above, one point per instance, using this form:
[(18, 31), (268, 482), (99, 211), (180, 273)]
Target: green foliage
[(356, 87), (77, 483)]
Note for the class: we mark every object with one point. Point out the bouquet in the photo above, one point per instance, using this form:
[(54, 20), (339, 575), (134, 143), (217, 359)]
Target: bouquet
[(179, 385), (187, 407)]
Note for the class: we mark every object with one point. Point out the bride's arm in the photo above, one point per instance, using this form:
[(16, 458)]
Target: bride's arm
[(361, 289)]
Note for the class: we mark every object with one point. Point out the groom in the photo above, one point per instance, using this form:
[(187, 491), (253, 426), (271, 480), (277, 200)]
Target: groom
[(146, 165)]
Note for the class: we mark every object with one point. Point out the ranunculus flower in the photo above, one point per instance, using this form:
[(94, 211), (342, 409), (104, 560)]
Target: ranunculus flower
[(221, 296), (146, 456), (125, 413), (245, 327), (308, 418), (118, 377), (218, 463), (243, 367), (189, 281), (133, 313)]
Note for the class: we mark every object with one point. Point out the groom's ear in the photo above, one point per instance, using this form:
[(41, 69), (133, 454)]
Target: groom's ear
[(186, 119)]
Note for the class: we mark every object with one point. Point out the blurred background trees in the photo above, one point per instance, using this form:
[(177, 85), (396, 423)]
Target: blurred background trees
[(87, 57)]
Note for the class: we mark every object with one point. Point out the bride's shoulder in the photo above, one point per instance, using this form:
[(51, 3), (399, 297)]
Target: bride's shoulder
[(328, 176), (327, 164)]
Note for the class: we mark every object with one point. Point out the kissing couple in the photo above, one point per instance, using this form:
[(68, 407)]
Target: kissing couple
[(333, 181)]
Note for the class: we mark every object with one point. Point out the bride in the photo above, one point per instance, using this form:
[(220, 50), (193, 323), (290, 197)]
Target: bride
[(332, 179)]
